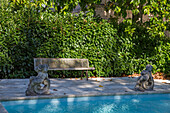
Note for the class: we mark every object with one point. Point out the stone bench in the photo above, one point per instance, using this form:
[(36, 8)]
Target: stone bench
[(65, 64)]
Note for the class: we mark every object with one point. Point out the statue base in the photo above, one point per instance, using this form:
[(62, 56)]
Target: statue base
[(36, 87)]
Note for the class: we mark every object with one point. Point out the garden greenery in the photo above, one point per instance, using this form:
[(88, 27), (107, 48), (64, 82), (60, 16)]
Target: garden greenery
[(158, 12), (28, 33)]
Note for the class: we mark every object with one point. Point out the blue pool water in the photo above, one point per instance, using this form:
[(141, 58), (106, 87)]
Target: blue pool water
[(153, 103)]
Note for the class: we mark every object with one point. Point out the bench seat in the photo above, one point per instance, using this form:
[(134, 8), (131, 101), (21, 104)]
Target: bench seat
[(90, 68), (62, 64)]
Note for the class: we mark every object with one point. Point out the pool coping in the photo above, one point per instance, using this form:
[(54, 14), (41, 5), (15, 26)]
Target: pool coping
[(82, 95)]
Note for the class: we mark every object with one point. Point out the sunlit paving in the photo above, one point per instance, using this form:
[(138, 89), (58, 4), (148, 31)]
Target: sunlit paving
[(66, 96)]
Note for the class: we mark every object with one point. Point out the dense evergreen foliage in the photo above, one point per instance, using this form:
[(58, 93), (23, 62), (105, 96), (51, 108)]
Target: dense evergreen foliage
[(27, 33)]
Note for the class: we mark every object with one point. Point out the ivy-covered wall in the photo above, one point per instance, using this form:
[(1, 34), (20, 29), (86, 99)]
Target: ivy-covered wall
[(25, 35)]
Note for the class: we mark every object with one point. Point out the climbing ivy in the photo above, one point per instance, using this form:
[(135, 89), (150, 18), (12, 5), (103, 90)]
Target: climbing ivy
[(27, 33), (157, 10)]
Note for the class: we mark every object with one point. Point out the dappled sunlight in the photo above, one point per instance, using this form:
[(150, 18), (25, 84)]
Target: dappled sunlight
[(32, 101), (87, 86), (52, 106), (117, 97), (55, 85), (82, 99), (54, 101), (105, 108), (124, 107), (19, 102), (70, 100), (112, 108), (135, 100), (71, 87), (100, 104)]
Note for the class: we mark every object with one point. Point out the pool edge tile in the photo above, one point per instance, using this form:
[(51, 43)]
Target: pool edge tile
[(80, 95)]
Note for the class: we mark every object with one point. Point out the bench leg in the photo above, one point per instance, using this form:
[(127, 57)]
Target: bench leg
[(82, 74), (87, 75)]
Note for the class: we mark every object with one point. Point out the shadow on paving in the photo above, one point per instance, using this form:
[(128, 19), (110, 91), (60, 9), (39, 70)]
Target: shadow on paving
[(14, 89)]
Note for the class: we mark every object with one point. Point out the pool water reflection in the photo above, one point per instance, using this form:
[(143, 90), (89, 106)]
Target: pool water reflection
[(152, 103)]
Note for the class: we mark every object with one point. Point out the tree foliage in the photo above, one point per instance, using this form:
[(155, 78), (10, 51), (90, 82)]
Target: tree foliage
[(158, 10), (31, 31), (60, 6)]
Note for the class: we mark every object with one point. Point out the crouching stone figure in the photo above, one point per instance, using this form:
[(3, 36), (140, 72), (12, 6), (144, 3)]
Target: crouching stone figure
[(40, 84), (145, 81)]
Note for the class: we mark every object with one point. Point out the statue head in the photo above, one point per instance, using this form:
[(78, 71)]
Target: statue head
[(149, 67), (41, 68)]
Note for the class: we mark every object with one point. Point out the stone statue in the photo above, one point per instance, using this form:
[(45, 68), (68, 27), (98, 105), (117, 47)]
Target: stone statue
[(145, 81), (39, 85)]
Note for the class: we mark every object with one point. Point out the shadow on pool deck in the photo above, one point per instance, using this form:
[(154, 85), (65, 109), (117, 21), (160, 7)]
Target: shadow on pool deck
[(14, 89)]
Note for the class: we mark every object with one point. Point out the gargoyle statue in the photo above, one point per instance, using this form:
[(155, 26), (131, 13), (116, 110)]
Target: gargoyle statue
[(40, 84), (145, 81)]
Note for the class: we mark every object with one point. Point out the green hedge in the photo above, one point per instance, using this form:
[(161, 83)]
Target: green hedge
[(25, 34), (129, 62), (137, 50)]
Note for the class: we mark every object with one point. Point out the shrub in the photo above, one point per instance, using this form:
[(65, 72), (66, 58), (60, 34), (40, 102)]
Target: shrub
[(55, 36), (139, 49), (27, 33)]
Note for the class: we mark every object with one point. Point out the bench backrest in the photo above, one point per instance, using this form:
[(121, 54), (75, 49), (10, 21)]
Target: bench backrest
[(54, 63)]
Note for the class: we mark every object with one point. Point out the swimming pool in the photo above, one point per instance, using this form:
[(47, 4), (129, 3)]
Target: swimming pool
[(152, 103)]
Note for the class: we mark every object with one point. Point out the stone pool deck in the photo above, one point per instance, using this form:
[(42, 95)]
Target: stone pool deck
[(14, 89)]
